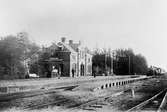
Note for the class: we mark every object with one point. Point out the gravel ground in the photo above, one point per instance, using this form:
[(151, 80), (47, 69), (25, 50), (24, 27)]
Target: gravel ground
[(143, 90)]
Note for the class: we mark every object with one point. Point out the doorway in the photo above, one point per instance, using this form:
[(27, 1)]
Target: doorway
[(82, 70)]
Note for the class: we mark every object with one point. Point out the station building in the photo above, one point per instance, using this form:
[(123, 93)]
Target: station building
[(68, 56)]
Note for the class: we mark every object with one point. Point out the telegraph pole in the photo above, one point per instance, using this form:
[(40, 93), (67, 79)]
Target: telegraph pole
[(129, 65), (113, 62), (105, 62)]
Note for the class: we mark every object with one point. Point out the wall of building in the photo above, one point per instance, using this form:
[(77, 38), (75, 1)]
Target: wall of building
[(73, 59), (89, 64), (85, 59), (81, 60), (73, 64), (65, 56), (66, 69)]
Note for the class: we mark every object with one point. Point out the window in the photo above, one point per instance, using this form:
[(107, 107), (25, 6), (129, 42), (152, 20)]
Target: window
[(89, 68), (73, 57), (74, 66), (88, 60), (82, 54)]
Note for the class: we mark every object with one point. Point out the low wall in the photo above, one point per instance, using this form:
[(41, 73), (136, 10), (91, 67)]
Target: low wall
[(117, 83)]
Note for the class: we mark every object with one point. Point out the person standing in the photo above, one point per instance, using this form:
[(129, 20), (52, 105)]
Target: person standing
[(54, 72), (73, 71), (94, 74), (59, 73)]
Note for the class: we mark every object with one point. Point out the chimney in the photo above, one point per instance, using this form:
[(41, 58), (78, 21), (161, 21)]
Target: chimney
[(63, 39), (70, 42)]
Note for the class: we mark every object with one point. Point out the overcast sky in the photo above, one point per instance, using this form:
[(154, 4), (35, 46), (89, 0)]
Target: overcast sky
[(138, 24)]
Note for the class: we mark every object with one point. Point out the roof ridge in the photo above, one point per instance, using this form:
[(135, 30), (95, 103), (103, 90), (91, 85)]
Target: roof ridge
[(68, 47)]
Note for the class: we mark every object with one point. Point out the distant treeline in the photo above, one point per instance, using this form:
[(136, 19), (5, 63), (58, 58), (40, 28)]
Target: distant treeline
[(15, 51), (122, 61)]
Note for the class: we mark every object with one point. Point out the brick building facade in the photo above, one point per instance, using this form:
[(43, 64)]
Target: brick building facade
[(68, 55)]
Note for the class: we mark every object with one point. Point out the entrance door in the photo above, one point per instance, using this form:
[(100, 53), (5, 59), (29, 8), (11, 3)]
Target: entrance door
[(82, 70)]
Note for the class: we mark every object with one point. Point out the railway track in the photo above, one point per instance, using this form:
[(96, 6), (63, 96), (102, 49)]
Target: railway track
[(96, 103), (60, 100), (156, 103), (91, 104), (5, 98), (159, 99)]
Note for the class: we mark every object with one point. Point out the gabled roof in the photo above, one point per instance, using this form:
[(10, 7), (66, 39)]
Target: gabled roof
[(68, 47), (53, 46), (74, 46)]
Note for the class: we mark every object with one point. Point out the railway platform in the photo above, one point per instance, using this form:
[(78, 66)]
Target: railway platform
[(21, 85)]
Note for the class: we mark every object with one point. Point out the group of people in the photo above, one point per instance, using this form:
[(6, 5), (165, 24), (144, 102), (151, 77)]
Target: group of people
[(56, 72)]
